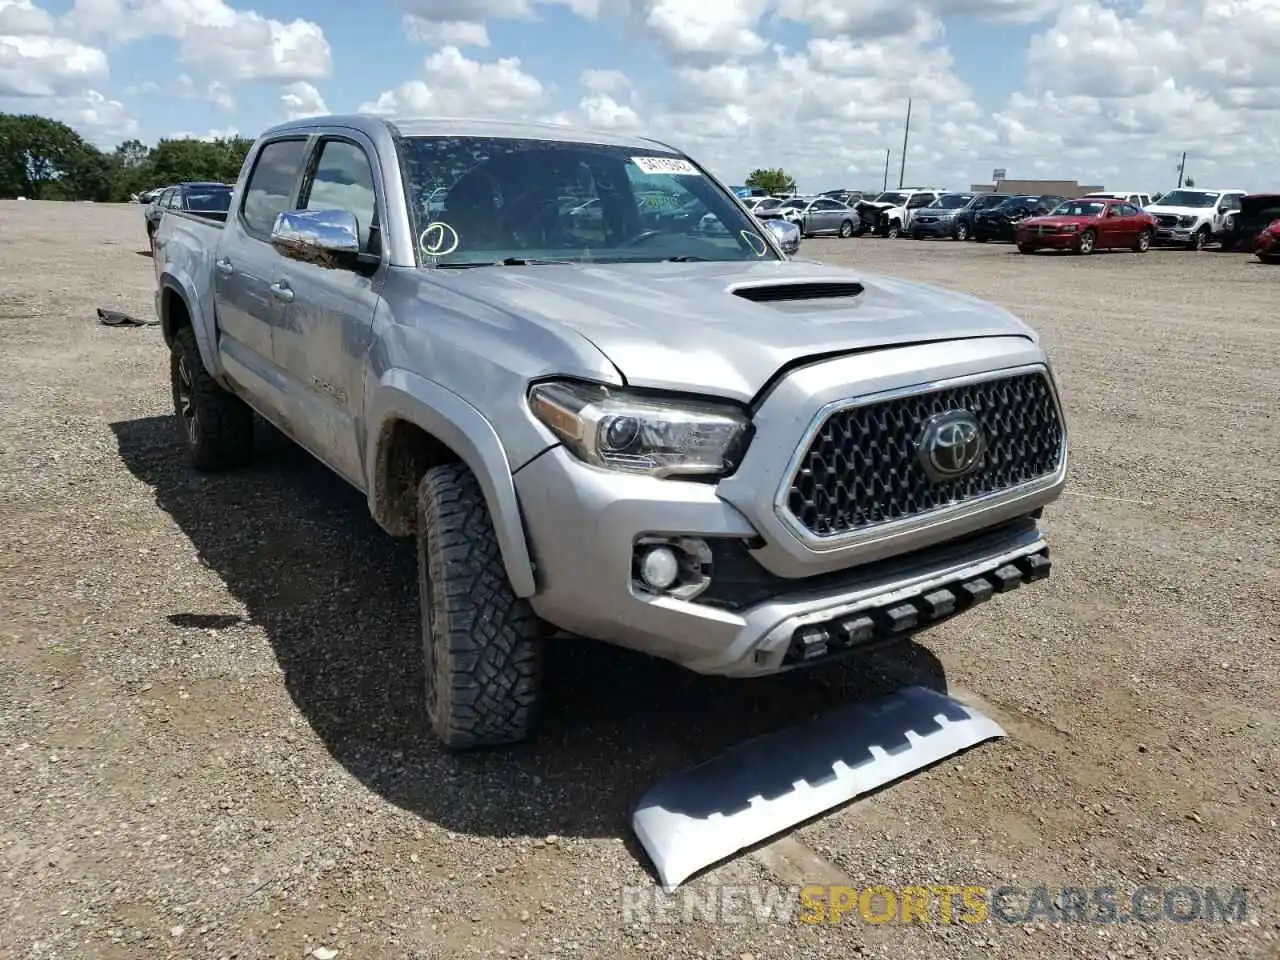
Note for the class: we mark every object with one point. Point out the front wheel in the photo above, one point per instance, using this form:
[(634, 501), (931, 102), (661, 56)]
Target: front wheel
[(1026, 248), (1088, 240), (961, 232), (1199, 239), (482, 645), (893, 231), (1144, 242)]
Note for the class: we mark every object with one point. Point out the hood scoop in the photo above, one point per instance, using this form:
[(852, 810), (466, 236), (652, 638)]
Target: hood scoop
[(803, 290)]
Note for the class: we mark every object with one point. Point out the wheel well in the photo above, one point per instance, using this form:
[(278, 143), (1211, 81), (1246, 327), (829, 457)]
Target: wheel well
[(405, 453), (174, 314)]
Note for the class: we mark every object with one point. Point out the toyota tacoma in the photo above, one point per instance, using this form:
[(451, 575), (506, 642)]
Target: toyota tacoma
[(624, 428)]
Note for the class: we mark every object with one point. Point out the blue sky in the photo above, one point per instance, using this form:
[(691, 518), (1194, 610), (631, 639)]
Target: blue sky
[(1098, 91)]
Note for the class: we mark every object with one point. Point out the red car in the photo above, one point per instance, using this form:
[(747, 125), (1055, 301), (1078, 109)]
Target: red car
[(1086, 225), (1267, 245)]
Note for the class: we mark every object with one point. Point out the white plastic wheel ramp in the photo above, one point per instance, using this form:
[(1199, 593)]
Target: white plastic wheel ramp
[(763, 787)]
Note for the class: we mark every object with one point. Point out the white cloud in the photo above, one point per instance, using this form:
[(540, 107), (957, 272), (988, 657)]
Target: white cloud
[(301, 99), (18, 17), (235, 45), (455, 85), (458, 33), (707, 27), (37, 65), (96, 117)]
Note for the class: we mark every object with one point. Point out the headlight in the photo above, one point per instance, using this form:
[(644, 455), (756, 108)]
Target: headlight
[(1187, 221), (617, 430), (1069, 228)]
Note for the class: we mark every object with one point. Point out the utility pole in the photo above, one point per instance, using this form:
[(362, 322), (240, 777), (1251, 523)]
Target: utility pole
[(902, 171), (885, 189), (1182, 166)]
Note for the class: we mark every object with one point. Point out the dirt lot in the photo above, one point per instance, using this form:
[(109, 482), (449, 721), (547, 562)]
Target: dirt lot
[(211, 726)]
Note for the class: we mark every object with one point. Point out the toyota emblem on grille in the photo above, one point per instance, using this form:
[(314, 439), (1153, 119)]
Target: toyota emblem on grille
[(951, 445)]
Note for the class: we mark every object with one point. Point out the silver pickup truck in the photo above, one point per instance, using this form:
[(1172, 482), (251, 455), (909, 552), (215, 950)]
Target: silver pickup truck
[(625, 427)]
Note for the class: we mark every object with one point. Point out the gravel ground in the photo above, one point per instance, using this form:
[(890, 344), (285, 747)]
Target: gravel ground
[(211, 731)]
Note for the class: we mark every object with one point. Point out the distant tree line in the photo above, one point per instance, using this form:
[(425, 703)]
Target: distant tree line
[(43, 159)]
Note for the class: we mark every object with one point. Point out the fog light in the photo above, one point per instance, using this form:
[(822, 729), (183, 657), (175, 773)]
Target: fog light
[(659, 568)]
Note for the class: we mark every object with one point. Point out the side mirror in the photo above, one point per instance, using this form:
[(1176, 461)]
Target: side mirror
[(786, 233), (327, 238)]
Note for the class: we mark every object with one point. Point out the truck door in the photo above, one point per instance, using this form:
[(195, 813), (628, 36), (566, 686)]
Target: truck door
[(324, 330), (242, 264)]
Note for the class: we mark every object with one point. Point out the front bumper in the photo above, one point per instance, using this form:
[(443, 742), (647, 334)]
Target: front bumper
[(938, 228), (1172, 235), (986, 230), (775, 602), (1051, 241)]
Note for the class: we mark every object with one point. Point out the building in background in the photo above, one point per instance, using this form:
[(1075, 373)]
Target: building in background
[(1055, 188)]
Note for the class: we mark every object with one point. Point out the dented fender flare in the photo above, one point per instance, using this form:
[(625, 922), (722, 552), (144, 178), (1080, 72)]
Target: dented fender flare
[(401, 395)]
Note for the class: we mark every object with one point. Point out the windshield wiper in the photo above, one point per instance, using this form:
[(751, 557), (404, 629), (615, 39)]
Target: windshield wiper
[(686, 258)]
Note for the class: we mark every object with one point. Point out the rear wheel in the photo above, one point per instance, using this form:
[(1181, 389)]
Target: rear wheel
[(1144, 242), (846, 229), (216, 426), (482, 645)]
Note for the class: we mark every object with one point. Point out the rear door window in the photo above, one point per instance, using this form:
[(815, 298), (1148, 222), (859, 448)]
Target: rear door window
[(270, 186)]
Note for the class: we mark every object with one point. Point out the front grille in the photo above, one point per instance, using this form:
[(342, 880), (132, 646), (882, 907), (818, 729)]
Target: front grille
[(861, 467), (1165, 220)]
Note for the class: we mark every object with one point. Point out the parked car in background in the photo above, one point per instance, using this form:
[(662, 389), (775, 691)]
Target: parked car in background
[(962, 222), (1088, 224), (847, 197), (711, 223), (206, 199), (148, 196), (1001, 221), (1194, 218), (938, 218), (1136, 197), (1242, 227), (1267, 244), (895, 210), (814, 215)]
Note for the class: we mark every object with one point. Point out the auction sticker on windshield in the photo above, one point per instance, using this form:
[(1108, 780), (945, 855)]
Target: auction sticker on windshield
[(672, 165)]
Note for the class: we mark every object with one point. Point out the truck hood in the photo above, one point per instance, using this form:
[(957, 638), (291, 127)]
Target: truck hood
[(681, 326), (1156, 208)]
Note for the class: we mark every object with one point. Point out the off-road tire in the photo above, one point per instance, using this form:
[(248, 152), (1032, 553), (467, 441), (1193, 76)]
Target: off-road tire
[(1143, 243), (482, 645), (846, 229), (215, 426)]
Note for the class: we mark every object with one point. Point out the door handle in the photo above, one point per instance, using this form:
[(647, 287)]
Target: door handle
[(282, 291), (224, 266)]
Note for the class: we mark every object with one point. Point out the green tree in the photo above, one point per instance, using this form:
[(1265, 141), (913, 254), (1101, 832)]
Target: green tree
[(45, 159), (1189, 182), (775, 181)]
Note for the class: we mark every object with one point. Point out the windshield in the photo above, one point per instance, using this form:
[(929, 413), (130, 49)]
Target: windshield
[(484, 200), (989, 200), (1188, 198), (209, 201), (897, 199), (951, 201), (768, 204), (799, 203), (1079, 208)]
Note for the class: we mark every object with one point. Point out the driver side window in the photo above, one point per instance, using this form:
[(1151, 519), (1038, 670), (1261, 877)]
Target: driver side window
[(920, 200)]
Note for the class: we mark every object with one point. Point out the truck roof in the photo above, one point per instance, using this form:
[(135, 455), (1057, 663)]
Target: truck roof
[(409, 126)]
